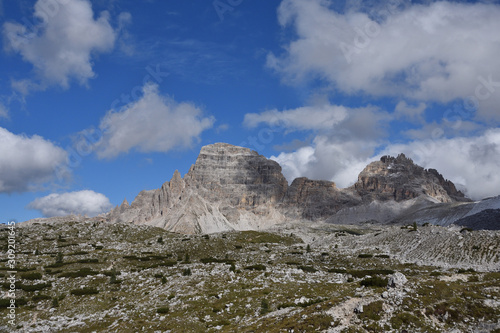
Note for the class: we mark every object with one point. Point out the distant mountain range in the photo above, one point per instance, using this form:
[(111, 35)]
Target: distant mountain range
[(235, 188)]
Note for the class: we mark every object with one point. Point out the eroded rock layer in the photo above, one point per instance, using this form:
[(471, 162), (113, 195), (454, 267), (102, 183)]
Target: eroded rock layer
[(235, 188)]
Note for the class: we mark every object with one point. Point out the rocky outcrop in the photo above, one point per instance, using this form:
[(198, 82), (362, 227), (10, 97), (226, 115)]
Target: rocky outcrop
[(239, 176), (316, 199), (235, 188), (398, 178), (228, 188)]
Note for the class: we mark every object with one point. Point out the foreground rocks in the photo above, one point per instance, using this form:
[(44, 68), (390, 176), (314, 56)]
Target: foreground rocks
[(305, 278)]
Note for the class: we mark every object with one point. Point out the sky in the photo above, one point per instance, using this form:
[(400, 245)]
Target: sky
[(102, 99)]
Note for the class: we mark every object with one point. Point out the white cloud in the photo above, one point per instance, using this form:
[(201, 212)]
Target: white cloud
[(154, 123), (436, 52), (61, 47), (340, 151), (411, 113), (471, 162), (327, 159), (27, 161), (304, 118), (84, 202), (4, 112)]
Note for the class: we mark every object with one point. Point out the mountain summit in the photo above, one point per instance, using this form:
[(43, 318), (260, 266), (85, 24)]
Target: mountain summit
[(232, 187)]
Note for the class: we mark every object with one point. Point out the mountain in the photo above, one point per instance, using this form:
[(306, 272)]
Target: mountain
[(228, 187), (235, 188), (399, 179)]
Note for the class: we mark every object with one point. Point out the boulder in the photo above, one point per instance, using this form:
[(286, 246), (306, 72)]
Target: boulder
[(397, 280)]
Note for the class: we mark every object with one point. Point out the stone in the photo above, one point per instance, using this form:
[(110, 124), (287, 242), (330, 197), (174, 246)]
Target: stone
[(358, 309), (397, 280)]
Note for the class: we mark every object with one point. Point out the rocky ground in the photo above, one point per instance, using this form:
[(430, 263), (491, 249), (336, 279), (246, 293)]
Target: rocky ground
[(102, 277)]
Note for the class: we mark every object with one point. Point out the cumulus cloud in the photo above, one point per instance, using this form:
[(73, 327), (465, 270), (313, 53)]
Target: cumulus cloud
[(411, 113), (434, 52), (62, 45), (304, 118), (27, 161), (154, 123), (470, 162), (347, 137), (327, 159), (84, 202)]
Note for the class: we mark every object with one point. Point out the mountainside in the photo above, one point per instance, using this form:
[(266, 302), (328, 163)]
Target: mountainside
[(398, 178), (488, 219), (235, 188), (227, 188)]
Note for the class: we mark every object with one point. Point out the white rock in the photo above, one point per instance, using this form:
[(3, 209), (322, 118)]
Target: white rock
[(397, 280)]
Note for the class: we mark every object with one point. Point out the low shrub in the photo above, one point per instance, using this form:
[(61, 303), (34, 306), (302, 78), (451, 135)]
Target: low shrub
[(5, 302), (308, 269), (111, 273), (383, 256), (40, 297), (31, 276), (88, 261), (164, 309), (374, 282), (215, 260), (264, 306), (80, 273), (34, 287), (84, 291), (258, 267)]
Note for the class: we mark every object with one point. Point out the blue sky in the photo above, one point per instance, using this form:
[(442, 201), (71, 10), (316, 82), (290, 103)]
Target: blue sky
[(102, 99)]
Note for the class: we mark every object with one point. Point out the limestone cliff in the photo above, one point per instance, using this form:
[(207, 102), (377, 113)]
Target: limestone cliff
[(398, 178), (228, 187), (235, 188)]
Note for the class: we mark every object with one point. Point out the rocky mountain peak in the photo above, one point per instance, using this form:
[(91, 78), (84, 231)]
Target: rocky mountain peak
[(399, 178), (240, 175), (124, 203), (231, 187)]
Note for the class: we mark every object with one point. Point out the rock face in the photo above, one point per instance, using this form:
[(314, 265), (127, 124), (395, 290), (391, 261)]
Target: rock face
[(398, 178), (237, 175), (316, 199), (228, 187), (232, 187)]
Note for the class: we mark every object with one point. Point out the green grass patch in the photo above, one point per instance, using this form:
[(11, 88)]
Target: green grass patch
[(372, 311)]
